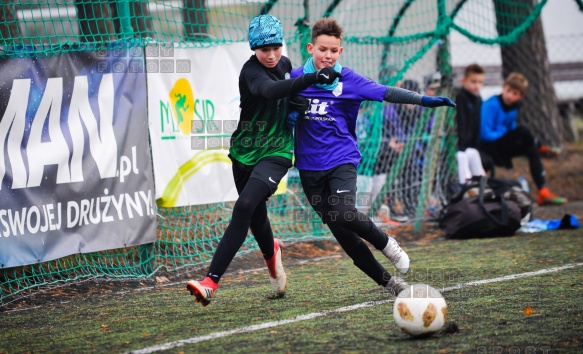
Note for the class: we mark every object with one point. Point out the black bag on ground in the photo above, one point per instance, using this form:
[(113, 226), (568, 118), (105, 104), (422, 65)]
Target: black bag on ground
[(485, 207)]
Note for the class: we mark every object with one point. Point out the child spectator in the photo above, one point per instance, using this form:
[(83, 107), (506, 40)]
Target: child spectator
[(469, 104), (398, 123), (503, 139)]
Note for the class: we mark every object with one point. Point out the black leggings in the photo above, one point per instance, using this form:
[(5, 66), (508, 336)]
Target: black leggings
[(349, 228), (518, 142), (360, 254), (331, 195), (250, 211), (343, 212)]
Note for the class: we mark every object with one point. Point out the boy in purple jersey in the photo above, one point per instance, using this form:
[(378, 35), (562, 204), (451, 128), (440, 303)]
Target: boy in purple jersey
[(261, 152), (327, 152)]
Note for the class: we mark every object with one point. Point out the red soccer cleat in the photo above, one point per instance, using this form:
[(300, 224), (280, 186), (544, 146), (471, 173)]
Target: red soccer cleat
[(277, 275), (203, 290)]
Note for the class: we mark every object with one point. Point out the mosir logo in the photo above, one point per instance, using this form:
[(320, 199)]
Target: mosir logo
[(46, 143), (183, 113)]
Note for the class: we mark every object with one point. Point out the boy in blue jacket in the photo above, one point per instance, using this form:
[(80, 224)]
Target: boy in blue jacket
[(503, 139)]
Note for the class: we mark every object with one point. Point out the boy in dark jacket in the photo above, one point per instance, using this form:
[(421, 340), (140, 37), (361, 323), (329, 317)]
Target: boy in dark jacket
[(469, 104)]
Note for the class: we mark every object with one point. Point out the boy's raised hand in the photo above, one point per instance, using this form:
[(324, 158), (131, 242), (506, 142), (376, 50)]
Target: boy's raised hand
[(436, 101), (327, 75)]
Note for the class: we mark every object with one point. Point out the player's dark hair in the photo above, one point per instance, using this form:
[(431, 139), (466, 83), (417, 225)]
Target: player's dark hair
[(326, 26), (473, 69)]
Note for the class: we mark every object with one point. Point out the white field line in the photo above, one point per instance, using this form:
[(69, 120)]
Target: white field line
[(313, 315)]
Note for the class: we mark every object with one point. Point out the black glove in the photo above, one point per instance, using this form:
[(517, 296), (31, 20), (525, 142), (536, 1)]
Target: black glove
[(327, 75), (436, 101), (298, 105)]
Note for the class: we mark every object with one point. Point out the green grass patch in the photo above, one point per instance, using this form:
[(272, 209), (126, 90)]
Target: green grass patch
[(489, 317)]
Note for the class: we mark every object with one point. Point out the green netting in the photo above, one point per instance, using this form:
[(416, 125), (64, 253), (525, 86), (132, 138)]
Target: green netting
[(388, 41)]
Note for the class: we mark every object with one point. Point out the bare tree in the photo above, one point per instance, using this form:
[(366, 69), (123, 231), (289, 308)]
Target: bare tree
[(95, 22), (8, 23), (141, 19), (194, 17), (528, 56)]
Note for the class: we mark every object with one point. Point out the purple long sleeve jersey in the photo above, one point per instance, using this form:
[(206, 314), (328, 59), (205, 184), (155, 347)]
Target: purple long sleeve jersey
[(325, 136)]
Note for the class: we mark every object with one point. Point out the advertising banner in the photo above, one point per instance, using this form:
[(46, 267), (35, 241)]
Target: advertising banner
[(76, 172), (193, 108)]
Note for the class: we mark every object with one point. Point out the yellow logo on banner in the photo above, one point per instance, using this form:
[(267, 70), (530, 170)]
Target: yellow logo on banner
[(182, 100), (185, 172)]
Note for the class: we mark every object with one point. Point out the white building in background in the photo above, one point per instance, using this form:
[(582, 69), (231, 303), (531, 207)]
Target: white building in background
[(563, 28)]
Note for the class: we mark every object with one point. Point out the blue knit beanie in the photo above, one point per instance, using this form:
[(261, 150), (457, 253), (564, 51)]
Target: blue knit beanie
[(265, 30)]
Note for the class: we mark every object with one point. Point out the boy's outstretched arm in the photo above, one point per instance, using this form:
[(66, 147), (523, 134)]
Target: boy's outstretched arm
[(399, 95), (278, 89)]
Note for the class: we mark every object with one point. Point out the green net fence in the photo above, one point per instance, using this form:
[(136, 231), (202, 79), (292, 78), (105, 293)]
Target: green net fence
[(404, 43)]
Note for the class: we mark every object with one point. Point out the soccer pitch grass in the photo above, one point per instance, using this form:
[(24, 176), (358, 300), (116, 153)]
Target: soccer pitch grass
[(514, 309)]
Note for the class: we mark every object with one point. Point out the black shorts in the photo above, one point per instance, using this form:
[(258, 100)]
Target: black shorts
[(270, 170), (324, 188)]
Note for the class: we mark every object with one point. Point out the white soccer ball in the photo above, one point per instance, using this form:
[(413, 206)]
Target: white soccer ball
[(420, 310)]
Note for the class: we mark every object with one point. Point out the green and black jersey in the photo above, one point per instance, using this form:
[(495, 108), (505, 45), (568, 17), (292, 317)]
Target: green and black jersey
[(262, 130)]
